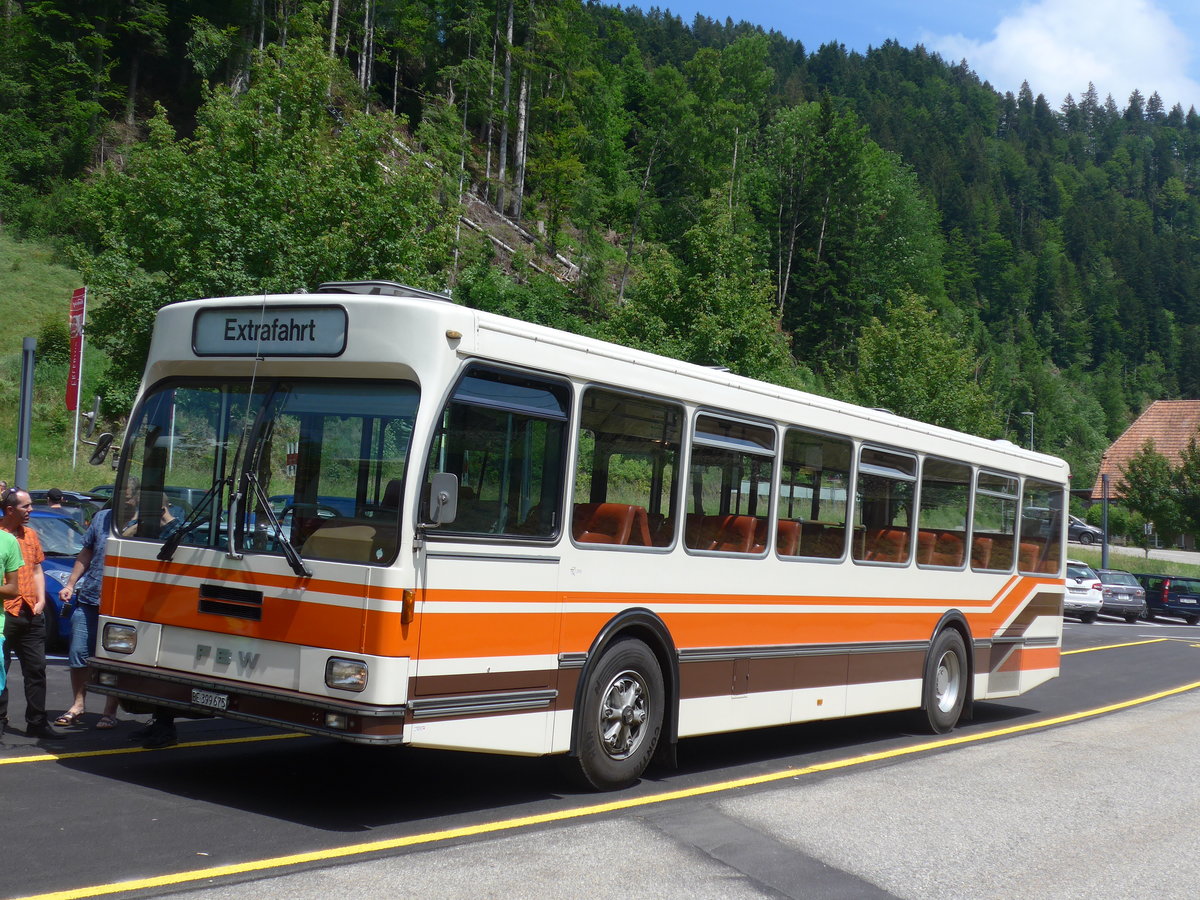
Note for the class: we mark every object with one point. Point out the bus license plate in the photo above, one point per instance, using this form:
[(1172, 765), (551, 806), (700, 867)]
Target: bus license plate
[(209, 699)]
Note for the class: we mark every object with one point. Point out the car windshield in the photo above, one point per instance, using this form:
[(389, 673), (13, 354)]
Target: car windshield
[(1074, 571), (1185, 585), (60, 536), (1120, 578)]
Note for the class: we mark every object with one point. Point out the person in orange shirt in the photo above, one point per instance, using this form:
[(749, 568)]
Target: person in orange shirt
[(24, 623)]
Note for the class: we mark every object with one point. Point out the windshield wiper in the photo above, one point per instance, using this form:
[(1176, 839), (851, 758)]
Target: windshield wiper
[(292, 554), (167, 551)]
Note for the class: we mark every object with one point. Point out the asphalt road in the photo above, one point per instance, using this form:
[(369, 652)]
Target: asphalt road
[(1081, 788), (1136, 559)]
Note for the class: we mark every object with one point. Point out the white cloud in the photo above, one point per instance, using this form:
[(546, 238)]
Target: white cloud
[(1058, 46)]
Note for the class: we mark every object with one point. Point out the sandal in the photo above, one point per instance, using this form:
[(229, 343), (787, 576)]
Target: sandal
[(68, 718), (107, 722)]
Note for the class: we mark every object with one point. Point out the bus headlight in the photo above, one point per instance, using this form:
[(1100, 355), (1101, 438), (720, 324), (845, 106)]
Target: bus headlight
[(346, 674), (119, 638)]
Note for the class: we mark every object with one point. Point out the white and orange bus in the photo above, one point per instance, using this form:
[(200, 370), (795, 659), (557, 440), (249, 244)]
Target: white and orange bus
[(430, 526)]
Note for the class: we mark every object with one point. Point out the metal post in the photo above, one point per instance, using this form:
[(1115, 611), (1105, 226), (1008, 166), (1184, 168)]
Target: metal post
[(25, 416), (1104, 521)]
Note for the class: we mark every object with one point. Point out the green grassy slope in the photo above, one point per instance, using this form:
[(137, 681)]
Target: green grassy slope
[(35, 290)]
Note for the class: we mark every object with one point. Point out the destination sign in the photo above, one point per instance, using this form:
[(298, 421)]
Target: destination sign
[(270, 331)]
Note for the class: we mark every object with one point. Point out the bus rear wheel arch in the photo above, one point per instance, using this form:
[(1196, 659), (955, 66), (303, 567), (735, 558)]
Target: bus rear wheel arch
[(620, 717), (945, 691)]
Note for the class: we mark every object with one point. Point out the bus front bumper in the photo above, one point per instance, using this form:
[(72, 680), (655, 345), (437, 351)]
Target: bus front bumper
[(140, 689)]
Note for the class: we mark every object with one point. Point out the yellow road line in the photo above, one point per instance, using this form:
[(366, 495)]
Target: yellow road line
[(579, 812), (1116, 646), (87, 754)]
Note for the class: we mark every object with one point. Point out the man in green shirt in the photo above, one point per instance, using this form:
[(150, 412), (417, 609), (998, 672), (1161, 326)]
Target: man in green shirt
[(10, 562)]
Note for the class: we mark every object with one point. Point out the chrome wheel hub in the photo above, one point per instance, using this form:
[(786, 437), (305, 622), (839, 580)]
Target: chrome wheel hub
[(623, 713), (948, 681)]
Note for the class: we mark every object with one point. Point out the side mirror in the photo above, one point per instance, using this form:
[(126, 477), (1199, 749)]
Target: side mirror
[(443, 498), (102, 444), (92, 416)]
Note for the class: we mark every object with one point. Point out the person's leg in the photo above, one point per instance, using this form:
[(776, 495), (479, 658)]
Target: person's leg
[(79, 689), (7, 660), (161, 730), (30, 648), (77, 658)]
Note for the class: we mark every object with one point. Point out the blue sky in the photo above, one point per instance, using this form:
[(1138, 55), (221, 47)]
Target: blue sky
[(1058, 46)]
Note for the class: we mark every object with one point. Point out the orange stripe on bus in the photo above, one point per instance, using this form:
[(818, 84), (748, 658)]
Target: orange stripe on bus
[(535, 623), (244, 577), (283, 619), (1031, 658)]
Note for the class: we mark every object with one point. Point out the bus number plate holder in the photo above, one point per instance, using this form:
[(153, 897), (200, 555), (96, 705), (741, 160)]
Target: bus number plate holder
[(209, 699)]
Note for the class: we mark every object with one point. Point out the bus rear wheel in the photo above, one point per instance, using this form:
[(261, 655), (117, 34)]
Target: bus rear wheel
[(621, 718), (945, 690)]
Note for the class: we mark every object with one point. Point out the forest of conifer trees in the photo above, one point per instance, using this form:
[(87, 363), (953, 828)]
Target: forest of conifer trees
[(834, 220)]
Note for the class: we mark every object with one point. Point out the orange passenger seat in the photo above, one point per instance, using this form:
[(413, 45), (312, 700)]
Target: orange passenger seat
[(787, 538)]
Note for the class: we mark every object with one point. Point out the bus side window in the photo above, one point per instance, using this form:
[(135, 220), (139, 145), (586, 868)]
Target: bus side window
[(994, 524), (942, 518), (626, 467), (503, 435), (729, 486), (883, 506), (814, 495), (1041, 528)]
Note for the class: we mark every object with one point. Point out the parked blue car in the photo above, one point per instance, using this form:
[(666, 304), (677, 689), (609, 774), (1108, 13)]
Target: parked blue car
[(1171, 595), (62, 539)]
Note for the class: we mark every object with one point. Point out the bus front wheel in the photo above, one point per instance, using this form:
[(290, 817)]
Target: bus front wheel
[(622, 716), (945, 690)]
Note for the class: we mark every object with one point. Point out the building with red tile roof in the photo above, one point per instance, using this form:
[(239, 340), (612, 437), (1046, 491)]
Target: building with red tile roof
[(1170, 424)]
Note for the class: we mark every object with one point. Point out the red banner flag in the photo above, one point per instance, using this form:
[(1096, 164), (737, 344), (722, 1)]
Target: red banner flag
[(78, 313)]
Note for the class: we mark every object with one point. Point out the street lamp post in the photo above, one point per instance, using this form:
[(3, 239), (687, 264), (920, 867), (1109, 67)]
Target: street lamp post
[(1028, 413)]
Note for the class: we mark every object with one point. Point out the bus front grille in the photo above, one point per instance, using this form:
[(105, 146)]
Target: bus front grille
[(219, 600)]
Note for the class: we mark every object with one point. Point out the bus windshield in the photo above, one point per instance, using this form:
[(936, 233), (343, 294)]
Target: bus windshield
[(326, 459)]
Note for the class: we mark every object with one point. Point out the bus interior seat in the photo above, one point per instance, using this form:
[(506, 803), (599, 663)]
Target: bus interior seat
[(1002, 552), (736, 534), (887, 545), (787, 538), (939, 548), (981, 552), (1031, 557), (948, 551), (640, 533), (603, 523), (760, 535), (926, 541), (727, 533)]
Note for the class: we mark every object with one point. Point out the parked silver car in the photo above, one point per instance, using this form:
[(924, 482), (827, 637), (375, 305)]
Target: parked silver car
[(1123, 595), (1084, 596)]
